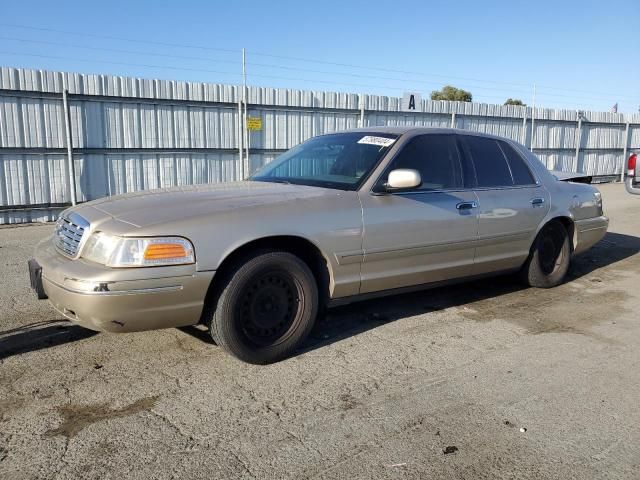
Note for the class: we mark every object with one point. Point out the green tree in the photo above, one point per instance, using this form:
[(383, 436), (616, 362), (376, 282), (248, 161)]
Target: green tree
[(515, 101), (452, 94)]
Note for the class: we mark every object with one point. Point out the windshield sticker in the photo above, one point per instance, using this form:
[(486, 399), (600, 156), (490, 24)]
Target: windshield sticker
[(379, 141)]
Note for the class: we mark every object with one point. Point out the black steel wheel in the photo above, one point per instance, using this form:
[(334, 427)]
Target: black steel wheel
[(270, 307), (266, 306), (550, 256)]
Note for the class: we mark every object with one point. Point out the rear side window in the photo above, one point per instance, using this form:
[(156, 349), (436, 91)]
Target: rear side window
[(436, 158), (519, 170), (491, 165)]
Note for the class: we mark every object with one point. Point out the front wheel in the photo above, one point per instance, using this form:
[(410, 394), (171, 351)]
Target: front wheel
[(266, 307), (549, 259)]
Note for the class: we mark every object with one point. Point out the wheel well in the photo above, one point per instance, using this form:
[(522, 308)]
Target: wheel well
[(298, 246), (569, 225)]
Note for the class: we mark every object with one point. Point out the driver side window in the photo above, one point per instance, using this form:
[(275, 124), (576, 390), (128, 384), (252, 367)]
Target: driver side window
[(437, 159)]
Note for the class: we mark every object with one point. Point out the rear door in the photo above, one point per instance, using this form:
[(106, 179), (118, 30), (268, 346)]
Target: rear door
[(511, 204), (426, 234)]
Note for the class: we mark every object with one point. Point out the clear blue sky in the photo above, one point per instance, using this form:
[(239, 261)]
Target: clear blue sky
[(580, 54)]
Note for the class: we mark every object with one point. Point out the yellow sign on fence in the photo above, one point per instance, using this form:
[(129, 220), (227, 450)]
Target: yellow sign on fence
[(254, 123)]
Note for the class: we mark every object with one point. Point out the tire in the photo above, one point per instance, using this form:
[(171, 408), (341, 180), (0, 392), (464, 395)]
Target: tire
[(549, 259), (265, 308)]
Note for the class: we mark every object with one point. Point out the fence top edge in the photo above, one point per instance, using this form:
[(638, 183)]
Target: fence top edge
[(52, 82), (38, 94)]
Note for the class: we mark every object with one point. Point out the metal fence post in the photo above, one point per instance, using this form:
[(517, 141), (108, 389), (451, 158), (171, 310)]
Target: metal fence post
[(453, 119), (70, 164), (625, 152), (533, 118), (578, 140), (361, 101), (240, 133), (245, 119), (524, 128), (533, 127)]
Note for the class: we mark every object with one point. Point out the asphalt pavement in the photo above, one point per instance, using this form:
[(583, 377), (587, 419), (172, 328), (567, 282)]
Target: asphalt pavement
[(481, 380)]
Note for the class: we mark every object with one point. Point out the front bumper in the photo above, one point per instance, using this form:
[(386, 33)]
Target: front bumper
[(122, 300), (589, 232)]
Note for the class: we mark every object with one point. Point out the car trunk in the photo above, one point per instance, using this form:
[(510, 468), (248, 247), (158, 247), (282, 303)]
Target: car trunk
[(572, 177)]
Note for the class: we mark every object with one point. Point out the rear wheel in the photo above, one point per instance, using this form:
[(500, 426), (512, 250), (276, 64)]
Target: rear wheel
[(549, 259), (266, 307)]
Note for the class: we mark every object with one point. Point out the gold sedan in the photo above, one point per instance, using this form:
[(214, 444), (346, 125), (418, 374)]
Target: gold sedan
[(341, 217)]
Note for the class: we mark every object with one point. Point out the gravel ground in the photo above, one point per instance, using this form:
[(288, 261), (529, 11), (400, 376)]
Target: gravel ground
[(481, 380)]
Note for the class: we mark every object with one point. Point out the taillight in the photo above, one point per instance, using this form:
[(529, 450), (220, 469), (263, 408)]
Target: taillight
[(598, 197), (631, 166)]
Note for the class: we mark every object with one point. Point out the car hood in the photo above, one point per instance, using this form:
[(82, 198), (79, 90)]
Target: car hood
[(150, 207)]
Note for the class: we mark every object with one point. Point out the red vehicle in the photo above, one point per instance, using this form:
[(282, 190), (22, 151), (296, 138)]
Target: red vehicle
[(632, 182)]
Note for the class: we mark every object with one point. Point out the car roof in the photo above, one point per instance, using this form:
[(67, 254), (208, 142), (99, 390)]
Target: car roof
[(421, 130)]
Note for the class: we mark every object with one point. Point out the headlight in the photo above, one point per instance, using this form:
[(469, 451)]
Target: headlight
[(115, 251)]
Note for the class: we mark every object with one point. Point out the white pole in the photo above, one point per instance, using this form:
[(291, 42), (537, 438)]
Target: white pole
[(361, 111), (240, 134), (533, 117), (578, 140), (71, 167), (244, 100), (624, 152)]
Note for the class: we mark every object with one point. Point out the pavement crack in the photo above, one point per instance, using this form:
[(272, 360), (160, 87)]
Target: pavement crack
[(304, 444), (242, 463), (188, 436), (176, 379), (62, 460)]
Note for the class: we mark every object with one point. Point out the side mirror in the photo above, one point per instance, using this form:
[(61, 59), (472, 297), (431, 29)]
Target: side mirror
[(403, 179)]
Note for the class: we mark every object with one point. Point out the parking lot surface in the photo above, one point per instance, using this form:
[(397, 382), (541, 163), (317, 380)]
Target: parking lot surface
[(480, 380)]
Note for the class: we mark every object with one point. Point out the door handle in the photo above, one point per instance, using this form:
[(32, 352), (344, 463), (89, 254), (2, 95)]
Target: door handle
[(467, 205), (537, 201)]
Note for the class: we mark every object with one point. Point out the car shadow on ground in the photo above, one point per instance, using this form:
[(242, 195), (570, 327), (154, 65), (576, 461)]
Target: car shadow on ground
[(344, 322), (40, 335)]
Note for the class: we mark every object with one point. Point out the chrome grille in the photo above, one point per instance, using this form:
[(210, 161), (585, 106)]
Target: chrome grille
[(69, 232)]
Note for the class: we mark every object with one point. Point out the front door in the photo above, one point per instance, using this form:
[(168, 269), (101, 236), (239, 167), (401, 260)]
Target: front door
[(424, 235)]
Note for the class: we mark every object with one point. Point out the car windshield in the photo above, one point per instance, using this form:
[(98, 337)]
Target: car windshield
[(341, 160)]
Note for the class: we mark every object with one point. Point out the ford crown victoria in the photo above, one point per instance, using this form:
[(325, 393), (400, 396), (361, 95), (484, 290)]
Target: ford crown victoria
[(341, 217)]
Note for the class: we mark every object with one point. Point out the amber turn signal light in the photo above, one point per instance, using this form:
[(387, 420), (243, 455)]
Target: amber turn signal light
[(163, 251)]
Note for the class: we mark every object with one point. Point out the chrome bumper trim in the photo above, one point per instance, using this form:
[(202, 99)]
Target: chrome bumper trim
[(107, 293)]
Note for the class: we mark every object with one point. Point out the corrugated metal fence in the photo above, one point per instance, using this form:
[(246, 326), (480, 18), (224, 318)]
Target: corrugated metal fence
[(129, 134)]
